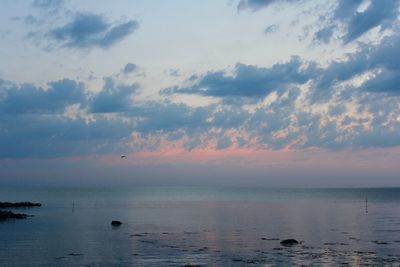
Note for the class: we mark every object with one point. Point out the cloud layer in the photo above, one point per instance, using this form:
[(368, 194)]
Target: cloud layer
[(294, 105), (249, 81), (346, 103)]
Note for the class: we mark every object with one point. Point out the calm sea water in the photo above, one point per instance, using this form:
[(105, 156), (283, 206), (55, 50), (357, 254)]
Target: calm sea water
[(178, 226)]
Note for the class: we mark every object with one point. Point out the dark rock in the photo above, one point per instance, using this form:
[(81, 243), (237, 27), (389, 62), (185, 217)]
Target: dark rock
[(289, 242), (380, 242), (149, 241), (166, 233), (136, 235), (19, 205), (75, 254), (4, 215), (116, 223), (269, 239)]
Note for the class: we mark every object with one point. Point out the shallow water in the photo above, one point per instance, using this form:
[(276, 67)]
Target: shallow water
[(177, 226)]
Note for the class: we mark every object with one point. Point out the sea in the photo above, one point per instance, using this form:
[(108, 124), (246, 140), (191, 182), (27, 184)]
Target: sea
[(202, 226)]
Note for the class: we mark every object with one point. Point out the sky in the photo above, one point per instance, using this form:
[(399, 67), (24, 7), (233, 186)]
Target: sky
[(213, 92)]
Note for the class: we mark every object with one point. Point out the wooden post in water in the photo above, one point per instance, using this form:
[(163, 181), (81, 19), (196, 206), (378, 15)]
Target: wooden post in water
[(366, 205)]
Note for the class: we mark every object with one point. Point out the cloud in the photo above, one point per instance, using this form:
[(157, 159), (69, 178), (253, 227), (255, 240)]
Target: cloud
[(30, 99), (170, 117), (40, 136), (174, 72), (383, 58), (288, 121), (48, 4), (377, 13), (250, 84), (358, 21), (355, 17), (324, 35), (271, 29), (130, 68), (112, 98), (90, 30), (295, 105), (248, 81), (224, 142), (387, 82), (258, 4)]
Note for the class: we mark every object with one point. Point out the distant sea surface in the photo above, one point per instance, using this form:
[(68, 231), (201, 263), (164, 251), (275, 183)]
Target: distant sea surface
[(178, 226)]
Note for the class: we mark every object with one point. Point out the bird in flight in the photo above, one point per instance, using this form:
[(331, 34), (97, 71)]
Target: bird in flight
[(123, 156)]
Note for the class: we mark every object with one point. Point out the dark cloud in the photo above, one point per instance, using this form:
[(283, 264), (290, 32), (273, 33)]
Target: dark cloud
[(224, 142), (44, 136), (258, 4), (271, 29), (383, 58), (129, 68), (174, 72), (336, 110), (248, 81), (348, 14), (230, 117), (377, 13), (324, 35), (48, 4), (29, 20), (30, 99), (356, 23), (170, 117), (91, 30), (112, 98), (387, 82), (250, 84)]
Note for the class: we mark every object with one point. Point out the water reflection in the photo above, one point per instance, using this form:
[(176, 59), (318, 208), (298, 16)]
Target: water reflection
[(178, 228)]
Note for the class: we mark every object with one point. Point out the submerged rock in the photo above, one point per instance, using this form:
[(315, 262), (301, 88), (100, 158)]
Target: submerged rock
[(116, 223), (380, 242), (269, 239), (75, 254), (136, 235), (4, 215), (19, 205), (289, 242)]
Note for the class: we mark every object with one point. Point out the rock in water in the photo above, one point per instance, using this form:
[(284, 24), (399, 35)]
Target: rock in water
[(289, 242), (116, 223), (19, 205), (4, 215)]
